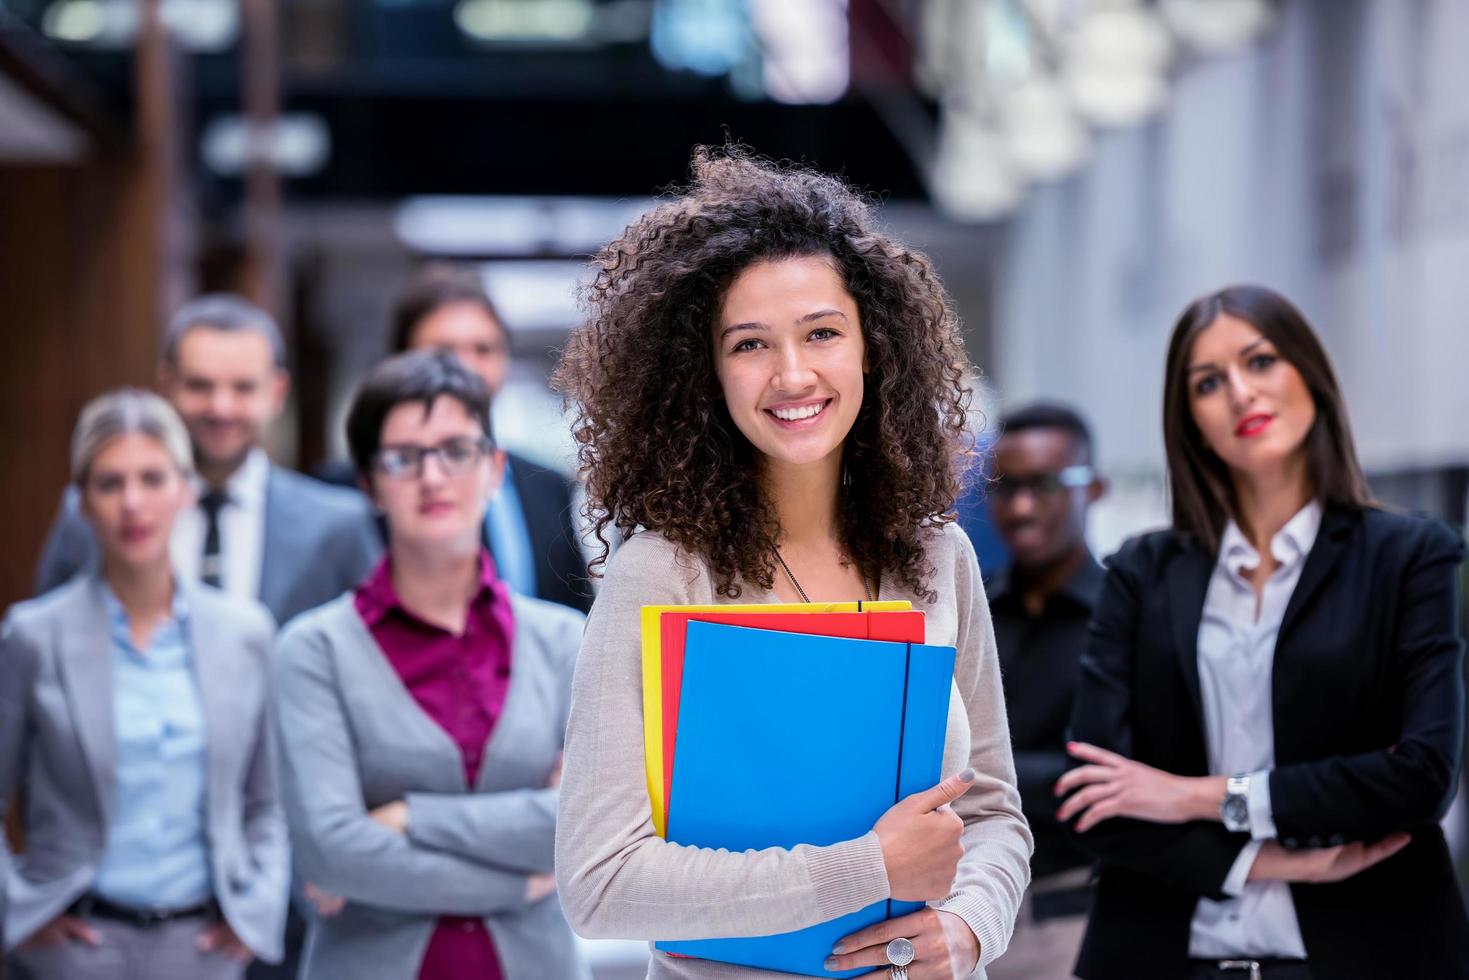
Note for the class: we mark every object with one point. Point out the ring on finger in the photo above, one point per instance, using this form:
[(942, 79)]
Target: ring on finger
[(900, 953)]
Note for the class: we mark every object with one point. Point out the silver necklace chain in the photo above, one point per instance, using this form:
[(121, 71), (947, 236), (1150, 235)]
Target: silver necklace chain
[(866, 585)]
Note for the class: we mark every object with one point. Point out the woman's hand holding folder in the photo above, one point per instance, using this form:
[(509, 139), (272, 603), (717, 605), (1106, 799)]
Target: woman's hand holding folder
[(920, 841), (944, 946)]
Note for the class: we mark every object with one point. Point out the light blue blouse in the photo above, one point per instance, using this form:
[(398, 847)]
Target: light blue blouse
[(157, 853)]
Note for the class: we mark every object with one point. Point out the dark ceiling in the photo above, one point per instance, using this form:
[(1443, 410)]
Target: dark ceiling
[(413, 106)]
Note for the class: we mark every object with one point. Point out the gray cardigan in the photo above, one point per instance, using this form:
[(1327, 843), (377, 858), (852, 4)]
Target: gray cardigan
[(352, 738), (619, 880), (58, 738)]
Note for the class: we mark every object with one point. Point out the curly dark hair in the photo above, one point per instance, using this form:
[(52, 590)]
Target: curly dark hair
[(657, 445)]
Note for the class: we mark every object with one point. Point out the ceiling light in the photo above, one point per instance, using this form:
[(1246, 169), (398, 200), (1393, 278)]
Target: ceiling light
[(76, 21), (1217, 27), (297, 145), (1108, 97), (1008, 54), (949, 33), (536, 294), (197, 25), (1042, 133), (1120, 36), (202, 25), (805, 49), (973, 178), (707, 38), (509, 225), (1115, 62), (519, 20)]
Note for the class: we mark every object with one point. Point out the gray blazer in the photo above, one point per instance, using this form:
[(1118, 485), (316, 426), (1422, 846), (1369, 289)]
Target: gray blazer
[(352, 738), (57, 740), (320, 540)]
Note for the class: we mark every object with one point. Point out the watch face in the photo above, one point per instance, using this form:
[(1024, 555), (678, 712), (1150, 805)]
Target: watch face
[(1236, 812)]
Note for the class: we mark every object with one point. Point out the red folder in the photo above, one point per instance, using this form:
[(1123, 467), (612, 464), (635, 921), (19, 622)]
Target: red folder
[(899, 627)]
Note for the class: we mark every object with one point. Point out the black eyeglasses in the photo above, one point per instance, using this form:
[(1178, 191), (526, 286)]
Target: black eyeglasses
[(457, 456), (1043, 484)]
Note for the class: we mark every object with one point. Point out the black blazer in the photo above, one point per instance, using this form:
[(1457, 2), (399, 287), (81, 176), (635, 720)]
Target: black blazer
[(1369, 722), (545, 500)]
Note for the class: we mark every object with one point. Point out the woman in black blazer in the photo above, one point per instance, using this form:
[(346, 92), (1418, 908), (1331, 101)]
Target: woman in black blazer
[(1267, 744)]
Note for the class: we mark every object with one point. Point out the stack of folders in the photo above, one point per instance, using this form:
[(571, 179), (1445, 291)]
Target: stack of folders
[(778, 725)]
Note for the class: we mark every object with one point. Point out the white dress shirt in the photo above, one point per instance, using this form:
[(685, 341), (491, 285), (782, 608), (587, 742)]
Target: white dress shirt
[(241, 529), (1236, 654)]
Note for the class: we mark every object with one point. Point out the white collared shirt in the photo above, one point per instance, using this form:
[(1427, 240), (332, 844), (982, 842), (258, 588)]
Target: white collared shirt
[(1236, 657), (241, 529)]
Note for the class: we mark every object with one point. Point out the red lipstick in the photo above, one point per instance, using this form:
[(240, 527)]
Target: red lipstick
[(1253, 425)]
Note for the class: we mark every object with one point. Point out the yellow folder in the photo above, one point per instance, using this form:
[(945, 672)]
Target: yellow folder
[(653, 674)]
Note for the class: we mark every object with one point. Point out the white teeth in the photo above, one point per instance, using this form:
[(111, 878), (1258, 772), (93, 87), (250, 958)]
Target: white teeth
[(796, 414)]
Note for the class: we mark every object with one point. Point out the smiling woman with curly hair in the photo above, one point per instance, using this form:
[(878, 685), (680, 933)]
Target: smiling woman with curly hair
[(658, 444), (771, 400)]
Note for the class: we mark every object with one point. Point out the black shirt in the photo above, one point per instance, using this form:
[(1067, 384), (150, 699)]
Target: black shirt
[(1039, 660)]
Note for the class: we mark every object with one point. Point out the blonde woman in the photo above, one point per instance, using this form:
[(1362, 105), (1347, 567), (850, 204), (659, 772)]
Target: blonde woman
[(134, 703)]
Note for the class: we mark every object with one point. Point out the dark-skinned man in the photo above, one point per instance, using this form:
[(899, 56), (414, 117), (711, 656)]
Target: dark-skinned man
[(1044, 482)]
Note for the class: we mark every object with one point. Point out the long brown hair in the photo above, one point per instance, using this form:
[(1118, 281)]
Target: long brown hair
[(658, 448), (1201, 488)]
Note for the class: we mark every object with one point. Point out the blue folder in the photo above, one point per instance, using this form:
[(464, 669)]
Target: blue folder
[(787, 739)]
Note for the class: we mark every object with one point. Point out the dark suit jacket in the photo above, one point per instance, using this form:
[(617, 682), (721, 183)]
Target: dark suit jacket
[(545, 500), (1368, 710), (1040, 663), (319, 542)]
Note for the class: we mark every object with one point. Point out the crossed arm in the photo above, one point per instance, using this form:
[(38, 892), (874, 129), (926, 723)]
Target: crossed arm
[(1169, 825), (340, 847)]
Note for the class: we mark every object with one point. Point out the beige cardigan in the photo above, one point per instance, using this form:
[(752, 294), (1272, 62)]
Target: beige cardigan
[(617, 879)]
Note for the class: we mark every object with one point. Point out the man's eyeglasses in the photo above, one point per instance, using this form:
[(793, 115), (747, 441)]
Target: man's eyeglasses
[(1043, 484), (457, 456)]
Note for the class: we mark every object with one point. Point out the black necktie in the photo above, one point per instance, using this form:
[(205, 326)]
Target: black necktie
[(211, 570)]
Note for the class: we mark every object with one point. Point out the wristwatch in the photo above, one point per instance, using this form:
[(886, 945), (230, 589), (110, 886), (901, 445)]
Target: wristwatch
[(1234, 810)]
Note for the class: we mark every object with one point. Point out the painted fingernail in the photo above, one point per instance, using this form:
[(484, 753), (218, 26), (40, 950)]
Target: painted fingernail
[(831, 963), (839, 949), (967, 776)]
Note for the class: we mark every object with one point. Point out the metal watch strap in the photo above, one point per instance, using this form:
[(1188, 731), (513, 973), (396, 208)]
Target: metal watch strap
[(1236, 788)]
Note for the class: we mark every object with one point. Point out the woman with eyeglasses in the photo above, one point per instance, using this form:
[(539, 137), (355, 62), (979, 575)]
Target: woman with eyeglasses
[(1271, 710), (420, 717)]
